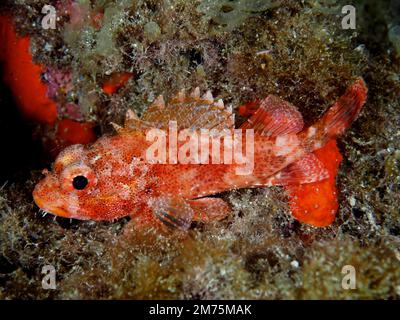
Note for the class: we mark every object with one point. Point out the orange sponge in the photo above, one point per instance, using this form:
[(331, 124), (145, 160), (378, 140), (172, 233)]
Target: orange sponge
[(316, 203), (23, 77)]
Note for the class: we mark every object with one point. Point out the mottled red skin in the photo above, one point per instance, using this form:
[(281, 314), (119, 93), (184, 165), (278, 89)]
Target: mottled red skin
[(105, 199), (122, 182), (313, 203)]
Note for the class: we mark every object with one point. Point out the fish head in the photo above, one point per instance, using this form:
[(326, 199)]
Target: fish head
[(104, 181), (65, 190), (101, 182)]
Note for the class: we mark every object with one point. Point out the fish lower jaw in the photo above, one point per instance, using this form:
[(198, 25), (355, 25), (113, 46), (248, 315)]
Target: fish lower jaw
[(55, 212)]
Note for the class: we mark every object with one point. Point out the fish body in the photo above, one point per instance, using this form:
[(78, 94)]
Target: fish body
[(113, 177)]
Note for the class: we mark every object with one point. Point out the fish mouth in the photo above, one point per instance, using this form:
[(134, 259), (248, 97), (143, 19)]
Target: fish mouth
[(40, 195), (57, 211)]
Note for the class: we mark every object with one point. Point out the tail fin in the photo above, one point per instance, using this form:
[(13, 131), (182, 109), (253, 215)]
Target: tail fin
[(339, 117)]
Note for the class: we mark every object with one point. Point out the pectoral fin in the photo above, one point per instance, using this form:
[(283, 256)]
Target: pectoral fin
[(174, 212), (209, 209)]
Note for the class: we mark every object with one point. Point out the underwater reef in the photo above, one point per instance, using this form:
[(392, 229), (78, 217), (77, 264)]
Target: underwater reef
[(107, 56)]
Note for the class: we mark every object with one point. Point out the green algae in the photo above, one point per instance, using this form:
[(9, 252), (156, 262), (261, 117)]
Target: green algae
[(152, 31), (229, 15)]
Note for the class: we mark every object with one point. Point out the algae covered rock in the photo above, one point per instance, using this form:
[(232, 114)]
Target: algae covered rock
[(230, 14), (394, 37), (152, 31)]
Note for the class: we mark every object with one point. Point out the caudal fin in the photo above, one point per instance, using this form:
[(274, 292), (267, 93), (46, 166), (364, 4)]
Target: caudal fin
[(339, 117)]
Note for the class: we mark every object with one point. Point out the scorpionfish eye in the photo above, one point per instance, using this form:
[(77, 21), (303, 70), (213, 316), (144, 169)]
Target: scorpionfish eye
[(78, 177), (80, 182)]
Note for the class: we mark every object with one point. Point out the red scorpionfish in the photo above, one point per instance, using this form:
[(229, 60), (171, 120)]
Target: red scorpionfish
[(112, 177)]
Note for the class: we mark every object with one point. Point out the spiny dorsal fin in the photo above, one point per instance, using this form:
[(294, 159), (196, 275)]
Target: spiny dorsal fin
[(132, 121), (158, 105), (275, 117), (117, 127), (196, 93), (190, 111), (208, 97), (159, 102), (180, 97), (131, 116)]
